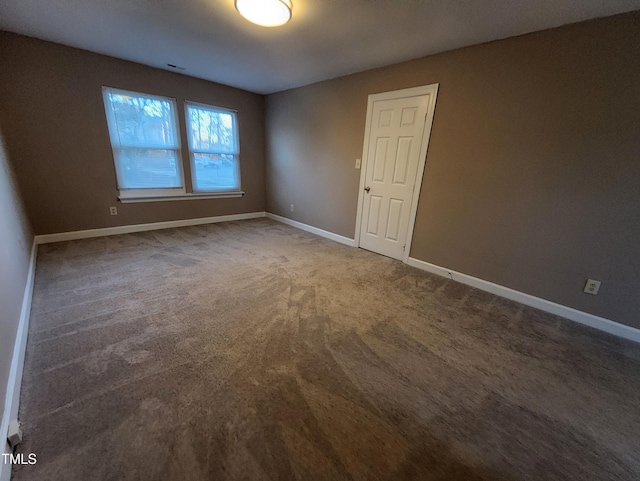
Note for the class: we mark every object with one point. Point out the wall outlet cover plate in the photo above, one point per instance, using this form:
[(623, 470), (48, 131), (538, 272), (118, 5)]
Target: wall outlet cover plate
[(592, 287)]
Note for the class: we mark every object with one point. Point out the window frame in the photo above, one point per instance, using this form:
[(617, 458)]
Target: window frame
[(186, 190), (192, 151), (116, 147)]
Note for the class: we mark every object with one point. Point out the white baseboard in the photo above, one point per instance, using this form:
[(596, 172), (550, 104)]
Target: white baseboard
[(128, 229), (570, 313), (313, 230), (12, 401)]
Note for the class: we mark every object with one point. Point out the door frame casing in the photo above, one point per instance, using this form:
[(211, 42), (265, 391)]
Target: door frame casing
[(432, 91)]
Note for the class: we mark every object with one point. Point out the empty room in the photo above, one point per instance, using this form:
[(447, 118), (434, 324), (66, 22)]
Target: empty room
[(320, 240)]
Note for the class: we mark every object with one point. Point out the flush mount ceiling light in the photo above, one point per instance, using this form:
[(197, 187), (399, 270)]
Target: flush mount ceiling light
[(267, 13)]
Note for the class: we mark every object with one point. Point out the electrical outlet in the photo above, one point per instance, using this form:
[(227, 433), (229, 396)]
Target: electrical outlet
[(592, 287), (291, 207), (113, 210), (358, 161)]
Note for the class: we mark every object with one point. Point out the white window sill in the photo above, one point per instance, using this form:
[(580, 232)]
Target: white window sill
[(130, 199)]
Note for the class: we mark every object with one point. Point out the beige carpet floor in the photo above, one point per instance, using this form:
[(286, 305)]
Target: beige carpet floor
[(255, 351)]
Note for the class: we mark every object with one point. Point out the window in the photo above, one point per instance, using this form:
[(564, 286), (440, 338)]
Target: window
[(145, 142), (213, 148), (145, 139)]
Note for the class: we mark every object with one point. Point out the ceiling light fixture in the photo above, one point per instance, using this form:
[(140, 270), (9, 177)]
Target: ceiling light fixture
[(267, 13)]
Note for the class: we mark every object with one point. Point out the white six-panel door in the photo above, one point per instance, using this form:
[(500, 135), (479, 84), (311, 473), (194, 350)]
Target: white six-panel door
[(394, 148)]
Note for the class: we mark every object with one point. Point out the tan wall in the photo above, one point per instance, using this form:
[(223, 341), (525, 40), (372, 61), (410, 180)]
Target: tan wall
[(16, 240), (532, 178), (52, 113)]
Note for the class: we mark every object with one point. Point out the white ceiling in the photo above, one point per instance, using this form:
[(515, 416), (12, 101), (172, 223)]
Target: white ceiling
[(324, 39)]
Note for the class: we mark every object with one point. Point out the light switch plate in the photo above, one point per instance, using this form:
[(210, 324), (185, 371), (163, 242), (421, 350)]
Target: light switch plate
[(358, 161)]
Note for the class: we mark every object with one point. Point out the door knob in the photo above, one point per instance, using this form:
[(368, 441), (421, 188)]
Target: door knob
[(367, 189)]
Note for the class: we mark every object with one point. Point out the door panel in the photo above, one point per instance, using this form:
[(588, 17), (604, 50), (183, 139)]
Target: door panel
[(402, 160), (393, 222), (408, 116), (384, 119), (394, 143), (374, 215), (380, 158)]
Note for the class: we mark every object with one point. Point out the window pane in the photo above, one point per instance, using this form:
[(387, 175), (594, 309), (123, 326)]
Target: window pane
[(147, 168), (215, 172), (212, 131), (141, 121)]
